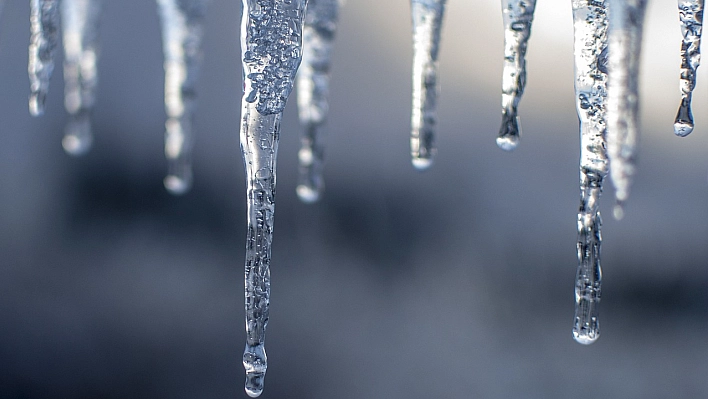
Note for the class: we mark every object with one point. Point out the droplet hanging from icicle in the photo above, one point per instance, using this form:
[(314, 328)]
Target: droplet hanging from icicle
[(271, 50), (80, 40), (590, 48), (313, 93), (182, 29), (427, 16), (691, 17), (44, 29), (518, 17)]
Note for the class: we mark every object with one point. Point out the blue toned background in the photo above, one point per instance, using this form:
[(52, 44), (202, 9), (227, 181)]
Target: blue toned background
[(454, 283)]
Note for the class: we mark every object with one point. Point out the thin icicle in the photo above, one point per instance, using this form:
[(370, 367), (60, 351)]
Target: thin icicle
[(625, 42), (691, 16), (80, 34), (427, 18), (590, 47), (181, 22), (313, 92), (518, 17), (44, 28), (271, 48)]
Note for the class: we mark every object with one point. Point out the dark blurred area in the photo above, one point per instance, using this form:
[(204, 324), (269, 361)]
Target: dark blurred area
[(453, 283)]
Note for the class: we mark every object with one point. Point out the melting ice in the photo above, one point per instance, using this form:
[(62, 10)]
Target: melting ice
[(691, 17), (44, 28)]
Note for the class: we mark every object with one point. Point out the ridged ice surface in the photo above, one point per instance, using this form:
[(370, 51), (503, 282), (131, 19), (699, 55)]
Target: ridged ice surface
[(313, 93), (427, 18), (80, 40), (271, 47), (691, 17), (518, 17), (590, 48), (44, 36), (181, 22)]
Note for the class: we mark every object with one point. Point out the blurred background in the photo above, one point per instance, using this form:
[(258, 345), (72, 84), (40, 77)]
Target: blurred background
[(456, 282)]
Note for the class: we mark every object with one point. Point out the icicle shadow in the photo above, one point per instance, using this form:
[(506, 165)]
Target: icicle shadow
[(313, 93), (44, 29), (691, 17)]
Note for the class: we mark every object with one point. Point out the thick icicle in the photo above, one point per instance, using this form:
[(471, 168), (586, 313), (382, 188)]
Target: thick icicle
[(44, 28), (625, 42), (691, 16), (590, 47), (427, 18), (181, 22), (80, 34), (313, 92), (518, 17), (271, 48)]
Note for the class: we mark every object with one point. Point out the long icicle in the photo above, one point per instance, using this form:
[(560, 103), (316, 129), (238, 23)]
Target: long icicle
[(80, 39), (625, 42), (44, 29), (590, 48), (518, 17), (691, 17), (271, 49), (427, 16), (181, 22), (313, 93)]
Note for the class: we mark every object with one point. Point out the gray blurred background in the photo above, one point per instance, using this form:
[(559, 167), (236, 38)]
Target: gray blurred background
[(453, 283)]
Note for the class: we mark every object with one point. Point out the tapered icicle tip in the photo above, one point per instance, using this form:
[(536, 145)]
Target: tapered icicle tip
[(683, 124), (508, 143), (585, 337), (509, 132), (178, 185), (36, 104), (255, 362), (422, 163)]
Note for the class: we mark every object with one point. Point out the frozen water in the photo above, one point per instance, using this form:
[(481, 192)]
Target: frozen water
[(691, 17), (518, 17), (44, 28)]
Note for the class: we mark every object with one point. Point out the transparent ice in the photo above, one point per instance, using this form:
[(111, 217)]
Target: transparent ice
[(691, 17), (427, 18), (271, 49), (44, 36), (181, 22), (590, 47), (80, 41), (518, 17), (313, 93)]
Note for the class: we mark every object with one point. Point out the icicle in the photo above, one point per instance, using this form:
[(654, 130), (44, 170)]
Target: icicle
[(691, 16), (271, 46), (181, 22), (427, 18), (590, 47), (518, 17), (313, 91), (44, 28), (80, 34)]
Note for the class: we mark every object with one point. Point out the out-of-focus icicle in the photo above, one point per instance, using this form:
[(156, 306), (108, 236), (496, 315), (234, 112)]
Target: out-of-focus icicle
[(80, 34), (427, 18), (625, 43), (44, 29), (181, 22), (313, 93), (691, 17), (518, 17), (590, 48), (271, 50)]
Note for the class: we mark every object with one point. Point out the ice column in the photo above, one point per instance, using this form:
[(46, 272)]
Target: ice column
[(80, 34), (181, 22), (691, 16), (427, 18), (271, 49), (518, 16), (44, 29), (590, 48), (313, 92)]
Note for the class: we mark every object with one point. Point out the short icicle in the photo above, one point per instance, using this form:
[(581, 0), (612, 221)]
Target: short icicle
[(181, 22), (518, 17), (80, 34), (590, 48), (271, 50), (691, 17), (427, 18), (44, 29), (313, 92)]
